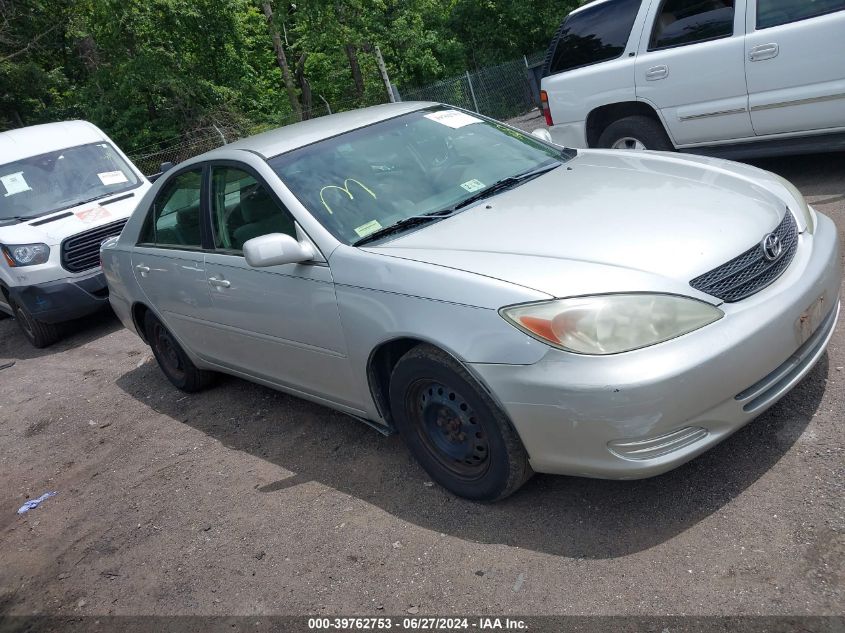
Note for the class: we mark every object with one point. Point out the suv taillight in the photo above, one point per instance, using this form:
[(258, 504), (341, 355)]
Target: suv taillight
[(544, 103)]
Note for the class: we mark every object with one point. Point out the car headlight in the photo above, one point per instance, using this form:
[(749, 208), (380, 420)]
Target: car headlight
[(802, 208), (26, 254), (611, 324)]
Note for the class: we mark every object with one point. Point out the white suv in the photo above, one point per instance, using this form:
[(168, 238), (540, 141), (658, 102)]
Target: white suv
[(729, 77), (64, 188)]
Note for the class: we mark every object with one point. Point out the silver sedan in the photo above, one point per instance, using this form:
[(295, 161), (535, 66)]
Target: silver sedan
[(507, 305)]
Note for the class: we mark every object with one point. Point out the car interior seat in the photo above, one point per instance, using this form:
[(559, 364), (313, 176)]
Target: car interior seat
[(261, 215)]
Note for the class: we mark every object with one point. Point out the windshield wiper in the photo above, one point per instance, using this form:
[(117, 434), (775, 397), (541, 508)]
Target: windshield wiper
[(413, 220), (496, 187), (506, 183)]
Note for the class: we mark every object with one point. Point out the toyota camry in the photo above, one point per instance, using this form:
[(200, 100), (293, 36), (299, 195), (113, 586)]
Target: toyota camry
[(506, 305)]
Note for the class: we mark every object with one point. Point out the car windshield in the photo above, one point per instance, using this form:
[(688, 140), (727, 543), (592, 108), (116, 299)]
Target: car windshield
[(420, 163), (58, 180)]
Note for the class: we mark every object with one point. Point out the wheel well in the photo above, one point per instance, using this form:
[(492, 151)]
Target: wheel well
[(379, 368), (600, 118), (139, 313)]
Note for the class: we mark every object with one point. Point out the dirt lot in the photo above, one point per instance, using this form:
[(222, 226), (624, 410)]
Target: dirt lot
[(241, 500)]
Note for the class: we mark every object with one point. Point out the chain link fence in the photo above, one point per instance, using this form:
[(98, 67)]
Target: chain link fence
[(502, 92)]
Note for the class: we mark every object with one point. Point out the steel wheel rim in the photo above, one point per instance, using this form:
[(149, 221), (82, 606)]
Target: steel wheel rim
[(450, 429), (166, 347), (630, 143)]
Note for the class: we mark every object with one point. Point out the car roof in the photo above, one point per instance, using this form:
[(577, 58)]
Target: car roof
[(284, 139), (50, 137)]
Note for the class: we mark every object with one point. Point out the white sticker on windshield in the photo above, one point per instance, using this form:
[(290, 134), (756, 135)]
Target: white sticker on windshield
[(112, 177), (452, 118), (14, 183), (370, 227), (473, 185)]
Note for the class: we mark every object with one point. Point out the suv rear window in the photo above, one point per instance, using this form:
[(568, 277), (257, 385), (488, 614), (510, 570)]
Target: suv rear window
[(682, 22), (595, 34)]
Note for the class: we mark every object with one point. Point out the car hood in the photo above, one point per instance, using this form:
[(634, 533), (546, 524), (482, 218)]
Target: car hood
[(608, 222), (54, 227)]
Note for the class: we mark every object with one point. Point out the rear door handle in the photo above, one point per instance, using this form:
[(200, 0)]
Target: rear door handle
[(764, 51), (657, 72), (142, 269), (220, 283)]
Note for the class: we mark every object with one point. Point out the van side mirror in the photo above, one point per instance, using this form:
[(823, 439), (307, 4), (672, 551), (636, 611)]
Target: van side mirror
[(165, 167), (276, 249)]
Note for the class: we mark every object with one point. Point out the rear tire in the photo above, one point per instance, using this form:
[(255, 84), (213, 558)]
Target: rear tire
[(635, 132), (172, 360), (454, 428), (38, 333)]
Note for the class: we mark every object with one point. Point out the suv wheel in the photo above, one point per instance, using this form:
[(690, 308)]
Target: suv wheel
[(454, 429), (637, 133), (38, 333)]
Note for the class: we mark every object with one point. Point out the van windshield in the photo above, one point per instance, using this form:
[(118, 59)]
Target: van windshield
[(58, 180)]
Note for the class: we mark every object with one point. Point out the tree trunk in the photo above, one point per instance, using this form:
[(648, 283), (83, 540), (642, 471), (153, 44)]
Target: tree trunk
[(357, 78), (282, 61), (304, 86)]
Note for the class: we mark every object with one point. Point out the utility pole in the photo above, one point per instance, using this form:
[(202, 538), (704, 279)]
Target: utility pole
[(384, 77)]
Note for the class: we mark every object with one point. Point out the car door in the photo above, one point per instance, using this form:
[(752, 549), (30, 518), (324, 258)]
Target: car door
[(795, 65), (280, 323), (168, 261), (690, 68)]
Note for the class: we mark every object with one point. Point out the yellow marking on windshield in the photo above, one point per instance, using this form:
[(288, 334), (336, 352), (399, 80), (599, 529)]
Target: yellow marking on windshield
[(345, 189)]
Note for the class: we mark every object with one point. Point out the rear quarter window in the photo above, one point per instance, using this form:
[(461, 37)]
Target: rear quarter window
[(591, 35)]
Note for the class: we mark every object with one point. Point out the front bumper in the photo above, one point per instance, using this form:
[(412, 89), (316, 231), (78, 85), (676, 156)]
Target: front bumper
[(64, 299), (645, 412)]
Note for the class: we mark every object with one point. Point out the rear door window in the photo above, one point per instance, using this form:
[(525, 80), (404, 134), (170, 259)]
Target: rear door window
[(175, 218), (592, 35), (776, 12), (682, 22)]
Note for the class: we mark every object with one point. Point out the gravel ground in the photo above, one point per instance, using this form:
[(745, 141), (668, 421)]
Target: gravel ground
[(242, 500)]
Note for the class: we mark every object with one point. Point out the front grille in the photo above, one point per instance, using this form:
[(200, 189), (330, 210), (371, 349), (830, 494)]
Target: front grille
[(750, 272), (82, 251)]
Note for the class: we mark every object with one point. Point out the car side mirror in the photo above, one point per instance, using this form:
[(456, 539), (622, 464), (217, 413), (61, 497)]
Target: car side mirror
[(276, 249), (165, 167)]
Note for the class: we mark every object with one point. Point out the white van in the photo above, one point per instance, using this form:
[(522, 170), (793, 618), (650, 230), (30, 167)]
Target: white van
[(64, 188)]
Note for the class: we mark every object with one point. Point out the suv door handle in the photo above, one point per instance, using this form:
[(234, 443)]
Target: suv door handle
[(764, 51), (220, 283), (657, 72), (142, 269)]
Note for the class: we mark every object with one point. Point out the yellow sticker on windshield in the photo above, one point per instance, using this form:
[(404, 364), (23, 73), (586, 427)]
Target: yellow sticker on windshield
[(370, 227), (473, 185)]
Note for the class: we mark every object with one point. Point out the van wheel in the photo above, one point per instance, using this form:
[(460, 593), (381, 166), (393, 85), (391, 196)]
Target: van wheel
[(38, 333), (454, 429), (172, 358), (637, 133)]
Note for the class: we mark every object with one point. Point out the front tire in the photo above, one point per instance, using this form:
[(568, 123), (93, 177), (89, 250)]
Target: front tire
[(454, 428), (172, 360), (636, 133), (38, 333)]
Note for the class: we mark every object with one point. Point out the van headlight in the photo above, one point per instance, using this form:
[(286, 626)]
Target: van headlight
[(611, 324), (26, 254), (801, 206)]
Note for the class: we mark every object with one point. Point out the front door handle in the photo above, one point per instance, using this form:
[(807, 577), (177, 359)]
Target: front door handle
[(764, 51), (220, 283), (657, 72), (142, 269)]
